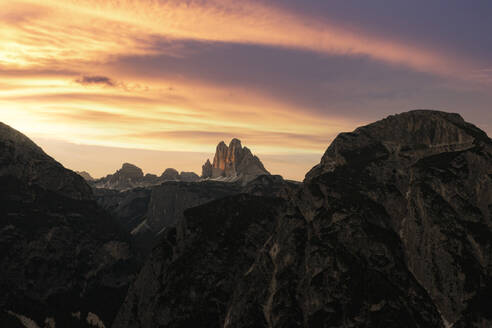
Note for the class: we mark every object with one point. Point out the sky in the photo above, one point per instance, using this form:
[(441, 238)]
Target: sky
[(159, 83)]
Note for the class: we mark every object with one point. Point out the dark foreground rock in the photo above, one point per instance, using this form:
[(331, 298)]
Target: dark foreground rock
[(392, 229), (63, 259)]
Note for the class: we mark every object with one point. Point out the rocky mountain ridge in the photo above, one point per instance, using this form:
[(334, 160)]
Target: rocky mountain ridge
[(234, 162), (131, 176)]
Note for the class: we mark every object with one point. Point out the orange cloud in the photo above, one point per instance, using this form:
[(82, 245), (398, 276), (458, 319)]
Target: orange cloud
[(52, 32), (160, 119)]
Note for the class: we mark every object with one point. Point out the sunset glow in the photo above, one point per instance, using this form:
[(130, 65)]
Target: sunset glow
[(183, 75)]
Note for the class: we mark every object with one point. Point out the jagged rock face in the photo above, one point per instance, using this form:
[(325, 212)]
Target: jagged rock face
[(233, 161), (23, 159), (220, 157), (207, 169), (60, 253), (170, 175), (385, 232)]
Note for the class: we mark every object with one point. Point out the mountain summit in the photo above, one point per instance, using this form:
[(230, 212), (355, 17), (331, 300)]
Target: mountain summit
[(234, 161), (405, 137)]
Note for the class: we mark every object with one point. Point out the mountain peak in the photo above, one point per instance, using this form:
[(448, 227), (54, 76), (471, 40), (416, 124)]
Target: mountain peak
[(411, 135), (235, 143), (170, 174), (131, 169), (233, 161)]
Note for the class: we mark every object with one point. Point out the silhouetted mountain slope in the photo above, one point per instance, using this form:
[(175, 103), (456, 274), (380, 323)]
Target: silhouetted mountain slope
[(23, 159), (391, 229), (62, 256)]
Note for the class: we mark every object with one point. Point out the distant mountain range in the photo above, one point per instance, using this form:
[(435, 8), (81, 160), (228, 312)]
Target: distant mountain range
[(231, 164), (393, 228)]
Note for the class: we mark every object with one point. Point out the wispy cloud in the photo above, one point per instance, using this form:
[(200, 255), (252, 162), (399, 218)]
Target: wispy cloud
[(93, 30)]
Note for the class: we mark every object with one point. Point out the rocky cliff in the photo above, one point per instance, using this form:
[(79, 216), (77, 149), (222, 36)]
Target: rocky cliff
[(233, 161), (392, 229), (64, 260)]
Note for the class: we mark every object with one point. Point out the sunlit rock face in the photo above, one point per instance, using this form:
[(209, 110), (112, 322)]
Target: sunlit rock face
[(233, 161), (392, 229)]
